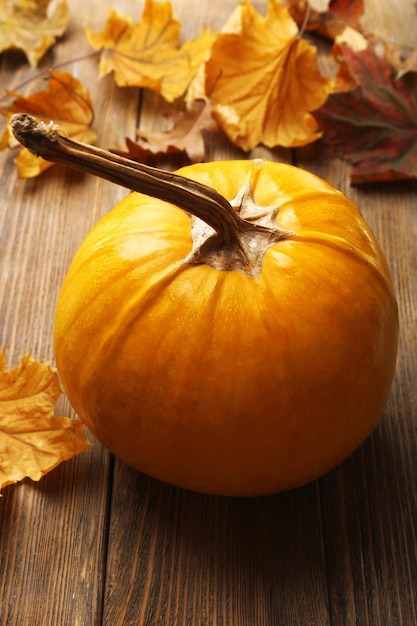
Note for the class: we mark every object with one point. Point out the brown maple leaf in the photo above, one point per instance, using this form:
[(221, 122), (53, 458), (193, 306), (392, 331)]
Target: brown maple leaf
[(32, 26), (168, 157), (33, 441), (147, 54), (263, 79), (329, 23), (186, 132), (374, 125), (65, 102), (184, 138)]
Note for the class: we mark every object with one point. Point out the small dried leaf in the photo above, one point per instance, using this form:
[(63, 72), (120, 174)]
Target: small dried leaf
[(66, 102), (374, 125), (32, 25), (186, 133), (147, 54), (140, 153), (32, 440), (264, 80)]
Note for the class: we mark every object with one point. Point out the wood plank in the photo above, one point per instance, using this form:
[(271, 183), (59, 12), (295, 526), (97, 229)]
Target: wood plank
[(201, 560), (53, 534), (372, 499), (359, 507), (369, 504)]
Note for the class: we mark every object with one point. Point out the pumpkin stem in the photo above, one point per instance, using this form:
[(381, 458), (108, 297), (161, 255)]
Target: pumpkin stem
[(46, 141), (243, 230)]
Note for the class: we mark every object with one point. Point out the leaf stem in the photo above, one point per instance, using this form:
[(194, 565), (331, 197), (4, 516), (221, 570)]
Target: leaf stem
[(306, 18), (46, 141), (43, 74)]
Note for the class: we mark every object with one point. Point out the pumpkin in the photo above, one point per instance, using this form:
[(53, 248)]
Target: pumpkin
[(221, 378), (243, 350)]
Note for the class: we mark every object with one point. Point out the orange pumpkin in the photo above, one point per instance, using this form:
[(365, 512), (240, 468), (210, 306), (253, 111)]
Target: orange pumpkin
[(240, 363)]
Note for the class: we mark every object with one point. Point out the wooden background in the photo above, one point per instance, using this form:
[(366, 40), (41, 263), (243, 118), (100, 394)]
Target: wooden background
[(97, 543)]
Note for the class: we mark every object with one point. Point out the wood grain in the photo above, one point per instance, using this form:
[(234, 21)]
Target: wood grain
[(95, 543)]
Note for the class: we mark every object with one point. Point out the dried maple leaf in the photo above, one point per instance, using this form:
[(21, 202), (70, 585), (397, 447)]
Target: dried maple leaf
[(186, 132), (32, 25), (374, 126), (66, 102), (142, 154), (147, 54), (263, 79), (185, 137), (328, 23), (32, 440)]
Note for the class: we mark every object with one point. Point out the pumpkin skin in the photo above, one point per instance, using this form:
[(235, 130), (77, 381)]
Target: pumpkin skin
[(215, 380)]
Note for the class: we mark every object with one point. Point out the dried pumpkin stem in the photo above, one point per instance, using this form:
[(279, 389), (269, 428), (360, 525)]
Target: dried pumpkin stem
[(46, 141), (243, 230)]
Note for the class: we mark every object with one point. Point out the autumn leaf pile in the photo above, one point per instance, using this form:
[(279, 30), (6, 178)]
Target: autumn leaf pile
[(258, 81)]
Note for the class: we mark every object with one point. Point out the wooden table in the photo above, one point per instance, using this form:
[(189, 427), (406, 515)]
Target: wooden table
[(97, 543)]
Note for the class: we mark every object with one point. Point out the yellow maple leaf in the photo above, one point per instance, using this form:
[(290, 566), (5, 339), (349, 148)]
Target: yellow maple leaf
[(263, 79), (33, 441), (147, 54), (32, 25), (66, 102)]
